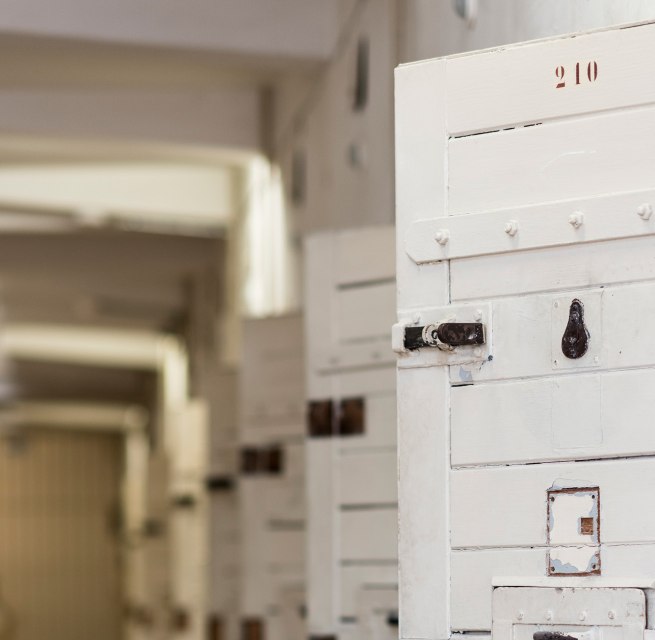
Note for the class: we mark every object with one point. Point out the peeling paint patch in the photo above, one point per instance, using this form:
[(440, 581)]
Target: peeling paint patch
[(465, 375), (573, 530)]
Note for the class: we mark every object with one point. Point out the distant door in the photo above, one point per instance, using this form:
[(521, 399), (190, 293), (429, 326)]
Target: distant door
[(59, 548)]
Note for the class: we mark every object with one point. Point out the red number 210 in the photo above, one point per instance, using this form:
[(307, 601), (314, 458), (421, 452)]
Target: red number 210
[(592, 74)]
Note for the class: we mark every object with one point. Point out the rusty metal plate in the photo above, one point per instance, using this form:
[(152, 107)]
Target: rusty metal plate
[(262, 460), (249, 460), (573, 531), (320, 419), (252, 629), (352, 414), (271, 460), (215, 628), (219, 482), (180, 619)]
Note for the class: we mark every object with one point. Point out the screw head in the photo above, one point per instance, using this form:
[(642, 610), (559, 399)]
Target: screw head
[(442, 236), (511, 228), (549, 615), (611, 614), (478, 315), (645, 211), (576, 219), (520, 615), (583, 616)]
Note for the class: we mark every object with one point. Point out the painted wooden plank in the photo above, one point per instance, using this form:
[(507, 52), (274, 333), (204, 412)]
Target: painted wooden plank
[(370, 353), (471, 577), (565, 418), (260, 431), (474, 571), (283, 501), (319, 286), (569, 159), (372, 382), (424, 523), (527, 330), (367, 478), (569, 267), (368, 534), (365, 255), (255, 587), (321, 523), (533, 227), (272, 374), (420, 193), (349, 318), (517, 84), (506, 506), (355, 577), (286, 549), (375, 605), (380, 430), (294, 460), (365, 312)]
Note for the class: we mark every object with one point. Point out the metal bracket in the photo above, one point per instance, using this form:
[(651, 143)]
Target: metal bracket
[(460, 333), (446, 335)]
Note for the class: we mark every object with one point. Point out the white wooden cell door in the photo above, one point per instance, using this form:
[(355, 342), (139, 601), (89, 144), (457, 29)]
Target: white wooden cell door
[(526, 300), (351, 444)]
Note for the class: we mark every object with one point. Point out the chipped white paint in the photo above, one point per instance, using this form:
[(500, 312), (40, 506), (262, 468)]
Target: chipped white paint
[(564, 514), (543, 206)]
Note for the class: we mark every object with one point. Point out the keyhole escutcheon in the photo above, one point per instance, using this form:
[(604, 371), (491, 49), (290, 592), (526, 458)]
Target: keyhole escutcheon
[(575, 340)]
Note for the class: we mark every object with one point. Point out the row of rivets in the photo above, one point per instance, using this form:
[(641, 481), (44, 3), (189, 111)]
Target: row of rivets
[(576, 220), (583, 615)]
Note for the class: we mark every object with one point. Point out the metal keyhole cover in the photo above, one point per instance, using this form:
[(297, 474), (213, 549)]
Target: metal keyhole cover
[(575, 341)]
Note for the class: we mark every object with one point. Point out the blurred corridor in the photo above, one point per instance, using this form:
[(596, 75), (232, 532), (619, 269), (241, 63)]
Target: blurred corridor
[(197, 288)]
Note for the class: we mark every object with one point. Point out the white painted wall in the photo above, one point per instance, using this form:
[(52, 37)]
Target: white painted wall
[(221, 117), (316, 117), (298, 28), (432, 28)]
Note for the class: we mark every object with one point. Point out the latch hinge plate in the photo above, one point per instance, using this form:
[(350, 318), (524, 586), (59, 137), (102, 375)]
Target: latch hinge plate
[(467, 327)]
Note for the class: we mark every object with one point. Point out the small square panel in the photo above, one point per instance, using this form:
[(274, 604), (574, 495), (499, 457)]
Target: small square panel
[(352, 417), (320, 419)]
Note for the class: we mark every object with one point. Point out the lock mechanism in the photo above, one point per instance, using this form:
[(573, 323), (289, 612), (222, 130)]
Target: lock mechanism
[(446, 335)]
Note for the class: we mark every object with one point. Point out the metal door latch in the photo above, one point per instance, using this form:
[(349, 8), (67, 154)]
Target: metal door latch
[(446, 335)]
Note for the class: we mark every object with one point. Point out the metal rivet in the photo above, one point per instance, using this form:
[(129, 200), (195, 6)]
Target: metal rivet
[(520, 615), (549, 615), (645, 211), (576, 219), (442, 236), (478, 315), (511, 227), (555, 363), (611, 615), (583, 616), (556, 304)]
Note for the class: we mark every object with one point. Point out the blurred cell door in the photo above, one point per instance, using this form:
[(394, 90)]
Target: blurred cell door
[(60, 574)]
